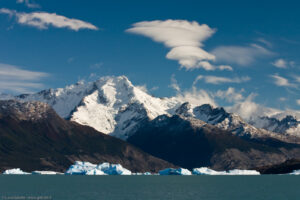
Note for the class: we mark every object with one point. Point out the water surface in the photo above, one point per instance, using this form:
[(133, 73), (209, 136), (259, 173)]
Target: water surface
[(149, 187)]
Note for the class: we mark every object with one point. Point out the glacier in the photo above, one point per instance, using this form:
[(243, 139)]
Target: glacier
[(207, 171), (87, 168), (171, 171)]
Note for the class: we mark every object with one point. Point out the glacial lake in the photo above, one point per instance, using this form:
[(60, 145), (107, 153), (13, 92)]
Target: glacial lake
[(62, 187)]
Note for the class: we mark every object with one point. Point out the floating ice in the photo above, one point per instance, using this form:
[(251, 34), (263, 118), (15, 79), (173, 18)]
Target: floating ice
[(95, 172), (16, 171), (295, 172), (207, 171), (45, 173), (113, 169), (243, 172), (80, 168), (171, 171), (87, 168)]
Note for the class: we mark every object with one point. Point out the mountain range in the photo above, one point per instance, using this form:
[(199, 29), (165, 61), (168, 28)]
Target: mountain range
[(173, 129), (114, 106)]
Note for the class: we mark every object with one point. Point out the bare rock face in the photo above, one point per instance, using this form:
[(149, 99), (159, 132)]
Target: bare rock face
[(27, 111)]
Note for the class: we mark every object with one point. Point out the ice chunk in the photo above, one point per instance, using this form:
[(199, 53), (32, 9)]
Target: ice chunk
[(295, 172), (80, 168), (45, 173), (86, 168), (16, 171), (207, 171), (113, 169), (95, 172), (171, 171), (243, 172)]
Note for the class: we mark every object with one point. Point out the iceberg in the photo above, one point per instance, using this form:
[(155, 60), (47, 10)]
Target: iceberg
[(95, 172), (16, 171), (80, 168), (207, 171), (87, 168), (171, 171), (113, 169), (140, 173), (45, 173), (243, 172), (295, 172)]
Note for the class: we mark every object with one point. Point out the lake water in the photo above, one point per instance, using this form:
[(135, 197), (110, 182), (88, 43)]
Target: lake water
[(149, 187)]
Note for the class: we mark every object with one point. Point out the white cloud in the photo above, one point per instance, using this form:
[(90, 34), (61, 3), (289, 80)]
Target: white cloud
[(248, 109), (297, 78), (174, 84), (142, 87), (281, 81), (241, 55), (230, 95), (298, 101), (185, 40), (225, 67), (154, 88), (43, 20), (265, 42), (280, 63), (192, 95), (196, 97), (96, 65), (282, 99), (218, 79), (15, 79), (29, 3)]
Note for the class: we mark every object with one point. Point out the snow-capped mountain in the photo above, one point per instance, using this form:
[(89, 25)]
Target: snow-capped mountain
[(111, 105), (289, 125), (229, 121)]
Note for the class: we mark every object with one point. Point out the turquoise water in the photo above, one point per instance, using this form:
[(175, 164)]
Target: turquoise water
[(149, 187)]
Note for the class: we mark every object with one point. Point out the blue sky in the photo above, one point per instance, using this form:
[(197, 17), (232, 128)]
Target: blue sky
[(51, 43)]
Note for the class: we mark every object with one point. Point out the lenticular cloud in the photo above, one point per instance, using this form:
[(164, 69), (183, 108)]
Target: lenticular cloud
[(183, 37)]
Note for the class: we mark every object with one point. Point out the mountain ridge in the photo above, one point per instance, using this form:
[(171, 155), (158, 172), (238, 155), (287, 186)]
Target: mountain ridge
[(114, 106)]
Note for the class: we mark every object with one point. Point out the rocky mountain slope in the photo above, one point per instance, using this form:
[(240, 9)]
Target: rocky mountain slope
[(190, 142), (34, 137), (236, 125), (288, 125), (114, 106)]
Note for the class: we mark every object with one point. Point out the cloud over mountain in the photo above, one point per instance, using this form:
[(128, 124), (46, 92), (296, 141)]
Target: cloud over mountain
[(218, 79), (185, 40), (15, 79), (29, 3), (241, 55)]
